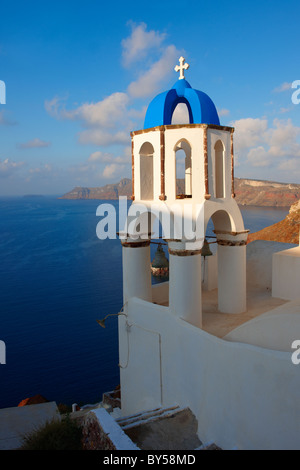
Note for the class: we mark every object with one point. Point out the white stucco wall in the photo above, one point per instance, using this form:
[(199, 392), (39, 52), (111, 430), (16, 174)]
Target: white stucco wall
[(276, 329), (195, 139), (286, 274), (243, 396), (160, 292), (259, 261)]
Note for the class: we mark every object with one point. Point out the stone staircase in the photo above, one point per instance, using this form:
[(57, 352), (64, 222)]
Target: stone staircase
[(171, 428), (128, 422)]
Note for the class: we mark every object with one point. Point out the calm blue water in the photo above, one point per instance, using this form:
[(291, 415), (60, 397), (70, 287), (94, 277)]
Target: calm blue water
[(56, 279)]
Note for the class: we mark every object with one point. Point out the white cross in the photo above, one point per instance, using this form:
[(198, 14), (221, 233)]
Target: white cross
[(180, 68)]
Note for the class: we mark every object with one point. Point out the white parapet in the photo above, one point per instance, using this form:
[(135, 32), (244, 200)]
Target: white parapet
[(286, 274)]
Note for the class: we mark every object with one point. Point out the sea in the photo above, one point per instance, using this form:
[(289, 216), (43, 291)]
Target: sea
[(56, 279)]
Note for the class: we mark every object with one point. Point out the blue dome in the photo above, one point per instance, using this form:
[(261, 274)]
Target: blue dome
[(201, 108)]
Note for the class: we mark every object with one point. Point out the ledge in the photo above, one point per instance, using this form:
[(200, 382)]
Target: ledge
[(180, 126), (103, 433)]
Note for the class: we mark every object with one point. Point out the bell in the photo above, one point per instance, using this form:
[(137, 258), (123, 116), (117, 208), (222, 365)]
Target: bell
[(160, 264), (205, 249), (160, 260)]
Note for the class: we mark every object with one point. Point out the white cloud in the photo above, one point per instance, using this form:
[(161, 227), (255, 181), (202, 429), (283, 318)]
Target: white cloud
[(34, 143), (113, 170), (149, 82), (102, 119), (223, 112), (285, 110), (102, 157), (282, 139), (108, 121), (290, 169), (136, 113), (260, 145), (292, 164), (249, 132), (258, 157), (42, 173), (283, 87), (101, 165), (103, 113), (40, 170), (55, 108), (8, 167), (114, 165), (139, 43), (102, 137)]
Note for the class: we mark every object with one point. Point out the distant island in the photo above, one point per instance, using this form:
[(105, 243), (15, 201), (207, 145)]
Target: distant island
[(109, 191), (248, 192)]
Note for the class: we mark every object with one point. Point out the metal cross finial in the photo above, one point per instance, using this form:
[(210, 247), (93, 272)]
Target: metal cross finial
[(180, 68)]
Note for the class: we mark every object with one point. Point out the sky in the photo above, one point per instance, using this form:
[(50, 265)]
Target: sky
[(79, 77)]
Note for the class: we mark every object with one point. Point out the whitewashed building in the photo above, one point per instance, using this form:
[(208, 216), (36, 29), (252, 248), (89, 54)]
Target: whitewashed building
[(212, 338)]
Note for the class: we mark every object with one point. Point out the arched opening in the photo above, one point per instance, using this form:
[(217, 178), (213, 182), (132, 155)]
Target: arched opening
[(220, 221), (146, 171), (159, 260), (219, 170), (226, 269), (181, 114), (153, 226), (183, 161)]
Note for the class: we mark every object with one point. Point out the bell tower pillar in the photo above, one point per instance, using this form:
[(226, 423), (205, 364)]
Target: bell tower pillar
[(232, 273), (136, 270), (185, 297)]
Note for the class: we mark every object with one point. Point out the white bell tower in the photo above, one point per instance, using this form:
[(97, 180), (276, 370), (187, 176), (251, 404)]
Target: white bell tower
[(208, 184)]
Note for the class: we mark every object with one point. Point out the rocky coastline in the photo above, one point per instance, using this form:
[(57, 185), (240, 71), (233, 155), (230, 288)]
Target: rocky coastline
[(247, 192)]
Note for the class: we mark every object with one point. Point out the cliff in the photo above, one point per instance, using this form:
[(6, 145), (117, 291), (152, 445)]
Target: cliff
[(265, 193), (109, 191), (285, 231), (248, 192)]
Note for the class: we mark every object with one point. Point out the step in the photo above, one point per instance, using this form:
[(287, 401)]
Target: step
[(147, 416), (168, 429)]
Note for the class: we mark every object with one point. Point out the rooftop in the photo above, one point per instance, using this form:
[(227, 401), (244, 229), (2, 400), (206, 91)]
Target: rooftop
[(201, 108)]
